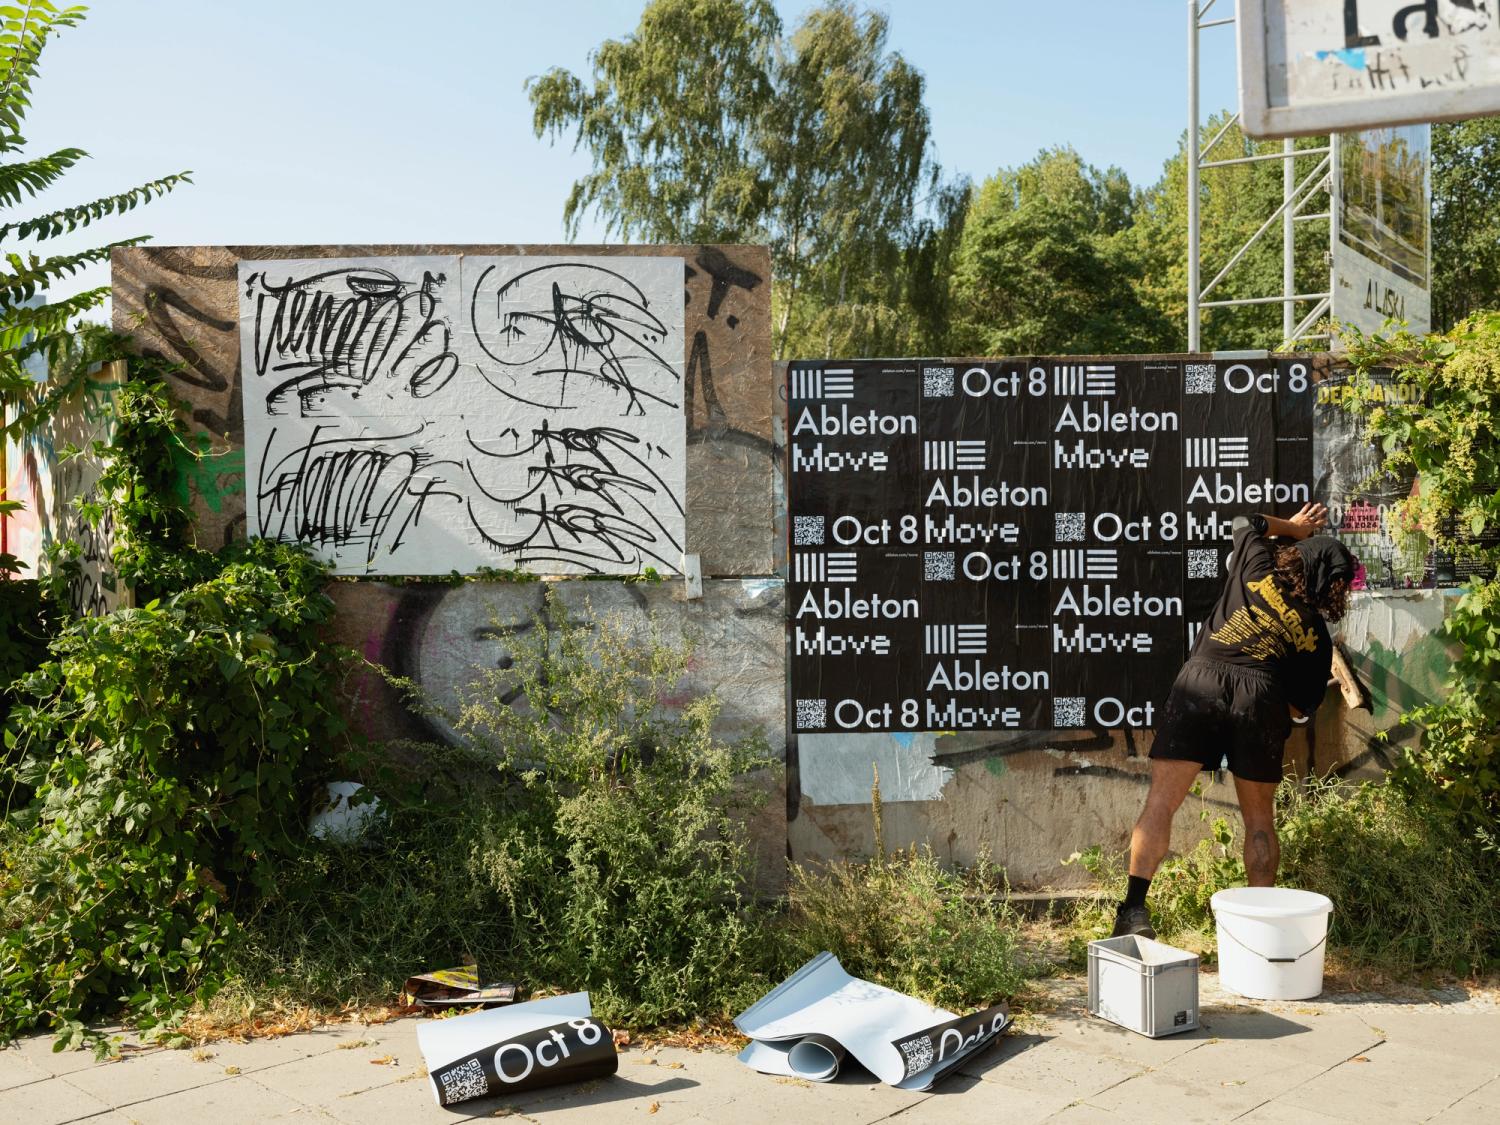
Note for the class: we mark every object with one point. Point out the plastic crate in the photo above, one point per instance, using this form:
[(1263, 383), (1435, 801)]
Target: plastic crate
[(1143, 985)]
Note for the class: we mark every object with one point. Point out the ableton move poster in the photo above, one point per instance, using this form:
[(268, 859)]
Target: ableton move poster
[(1024, 543)]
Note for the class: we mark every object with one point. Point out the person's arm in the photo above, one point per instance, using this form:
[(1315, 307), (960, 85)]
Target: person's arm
[(1312, 517)]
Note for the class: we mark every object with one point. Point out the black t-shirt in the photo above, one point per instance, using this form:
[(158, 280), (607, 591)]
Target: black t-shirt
[(1256, 625)]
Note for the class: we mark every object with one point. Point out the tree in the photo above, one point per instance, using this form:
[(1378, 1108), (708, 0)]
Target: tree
[(1234, 202), (673, 120), (707, 124), (1465, 219), (1045, 264), (28, 330)]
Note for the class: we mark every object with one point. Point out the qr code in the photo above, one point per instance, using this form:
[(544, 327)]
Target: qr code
[(937, 382), (812, 713), (1200, 378), (807, 531), (1067, 711), (1068, 527), (1203, 563), (463, 1082), (917, 1053), (937, 566)]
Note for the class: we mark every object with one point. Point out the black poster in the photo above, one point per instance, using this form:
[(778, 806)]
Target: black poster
[(1022, 543)]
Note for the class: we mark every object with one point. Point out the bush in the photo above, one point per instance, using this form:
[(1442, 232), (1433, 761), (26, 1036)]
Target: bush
[(607, 851), (172, 750), (1412, 887), (905, 922), (28, 620)]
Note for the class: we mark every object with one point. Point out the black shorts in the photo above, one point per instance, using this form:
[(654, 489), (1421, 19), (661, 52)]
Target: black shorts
[(1216, 709)]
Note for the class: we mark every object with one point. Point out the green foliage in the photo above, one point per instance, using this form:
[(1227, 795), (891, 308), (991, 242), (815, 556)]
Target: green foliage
[(1444, 421), (1465, 219), (1045, 265), (672, 120), (1180, 891), (607, 849), (1413, 889), (708, 124), (170, 748), (28, 618), (905, 922), (25, 30)]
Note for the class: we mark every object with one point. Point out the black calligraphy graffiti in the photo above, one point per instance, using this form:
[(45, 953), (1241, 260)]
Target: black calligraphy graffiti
[(572, 321), (334, 491), (347, 329), (586, 499)]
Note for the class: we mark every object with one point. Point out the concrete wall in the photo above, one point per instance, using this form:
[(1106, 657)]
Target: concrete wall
[(1029, 799)]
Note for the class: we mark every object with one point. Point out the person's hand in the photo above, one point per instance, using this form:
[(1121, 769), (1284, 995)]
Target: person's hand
[(1312, 517)]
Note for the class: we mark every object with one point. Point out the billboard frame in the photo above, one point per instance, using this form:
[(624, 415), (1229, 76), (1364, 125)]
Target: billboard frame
[(1263, 121)]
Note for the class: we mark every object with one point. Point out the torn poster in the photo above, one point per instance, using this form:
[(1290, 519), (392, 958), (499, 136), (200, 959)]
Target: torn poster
[(508, 1050), (805, 1026), (455, 988), (421, 415)]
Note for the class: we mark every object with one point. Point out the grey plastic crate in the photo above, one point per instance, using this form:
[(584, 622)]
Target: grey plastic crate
[(1143, 985)]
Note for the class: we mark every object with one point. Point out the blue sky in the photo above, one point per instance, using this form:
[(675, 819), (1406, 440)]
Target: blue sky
[(372, 121)]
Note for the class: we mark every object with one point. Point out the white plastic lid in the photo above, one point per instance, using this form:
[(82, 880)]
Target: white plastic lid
[(1270, 902)]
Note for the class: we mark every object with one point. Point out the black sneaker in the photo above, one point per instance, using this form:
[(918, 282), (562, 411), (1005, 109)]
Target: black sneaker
[(1133, 920)]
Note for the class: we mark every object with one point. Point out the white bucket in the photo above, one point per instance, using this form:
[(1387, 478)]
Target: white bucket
[(1271, 941)]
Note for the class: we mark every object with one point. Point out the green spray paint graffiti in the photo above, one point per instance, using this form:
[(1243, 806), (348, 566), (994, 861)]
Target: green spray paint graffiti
[(208, 475)]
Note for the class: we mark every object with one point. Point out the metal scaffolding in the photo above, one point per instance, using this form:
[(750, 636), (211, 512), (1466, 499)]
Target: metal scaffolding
[(1296, 195)]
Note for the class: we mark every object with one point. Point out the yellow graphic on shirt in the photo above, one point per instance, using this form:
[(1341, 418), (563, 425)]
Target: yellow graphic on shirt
[(1266, 634)]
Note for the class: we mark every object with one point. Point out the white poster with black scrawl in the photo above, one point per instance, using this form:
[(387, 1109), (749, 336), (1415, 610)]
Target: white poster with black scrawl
[(422, 415)]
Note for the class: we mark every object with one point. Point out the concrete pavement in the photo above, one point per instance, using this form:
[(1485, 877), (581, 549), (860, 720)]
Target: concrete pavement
[(1432, 1056)]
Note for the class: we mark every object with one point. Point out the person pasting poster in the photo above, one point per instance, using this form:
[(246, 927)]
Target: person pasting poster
[(1262, 657)]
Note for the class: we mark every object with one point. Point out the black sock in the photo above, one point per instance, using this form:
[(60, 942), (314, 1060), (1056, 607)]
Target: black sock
[(1135, 891)]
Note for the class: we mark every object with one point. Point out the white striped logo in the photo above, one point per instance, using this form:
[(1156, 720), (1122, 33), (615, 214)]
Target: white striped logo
[(819, 566), (823, 383), (942, 456), (1084, 379), (1090, 563), (1218, 453), (957, 640)]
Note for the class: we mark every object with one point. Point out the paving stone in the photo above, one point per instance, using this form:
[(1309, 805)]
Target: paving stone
[(1474, 1035), (1051, 1066), (962, 1100), (237, 1100), (1081, 1113), (1094, 1034), (1205, 1099), (1488, 1094), (1279, 1113), (1466, 1112), (37, 1050), (320, 1078), (48, 1103), (18, 1070), (1399, 1083), (136, 1078)]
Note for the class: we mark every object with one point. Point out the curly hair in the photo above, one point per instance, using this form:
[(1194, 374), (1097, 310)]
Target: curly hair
[(1291, 577)]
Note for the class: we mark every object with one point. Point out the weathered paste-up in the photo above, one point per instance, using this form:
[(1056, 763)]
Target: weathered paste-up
[(419, 415)]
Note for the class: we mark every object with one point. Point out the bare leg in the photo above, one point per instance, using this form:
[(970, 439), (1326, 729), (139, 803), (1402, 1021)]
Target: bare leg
[(1262, 849), (1170, 782)]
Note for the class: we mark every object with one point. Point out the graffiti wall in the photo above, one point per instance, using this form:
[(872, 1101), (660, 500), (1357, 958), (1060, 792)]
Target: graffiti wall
[(1028, 798), (53, 471), (184, 303)]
